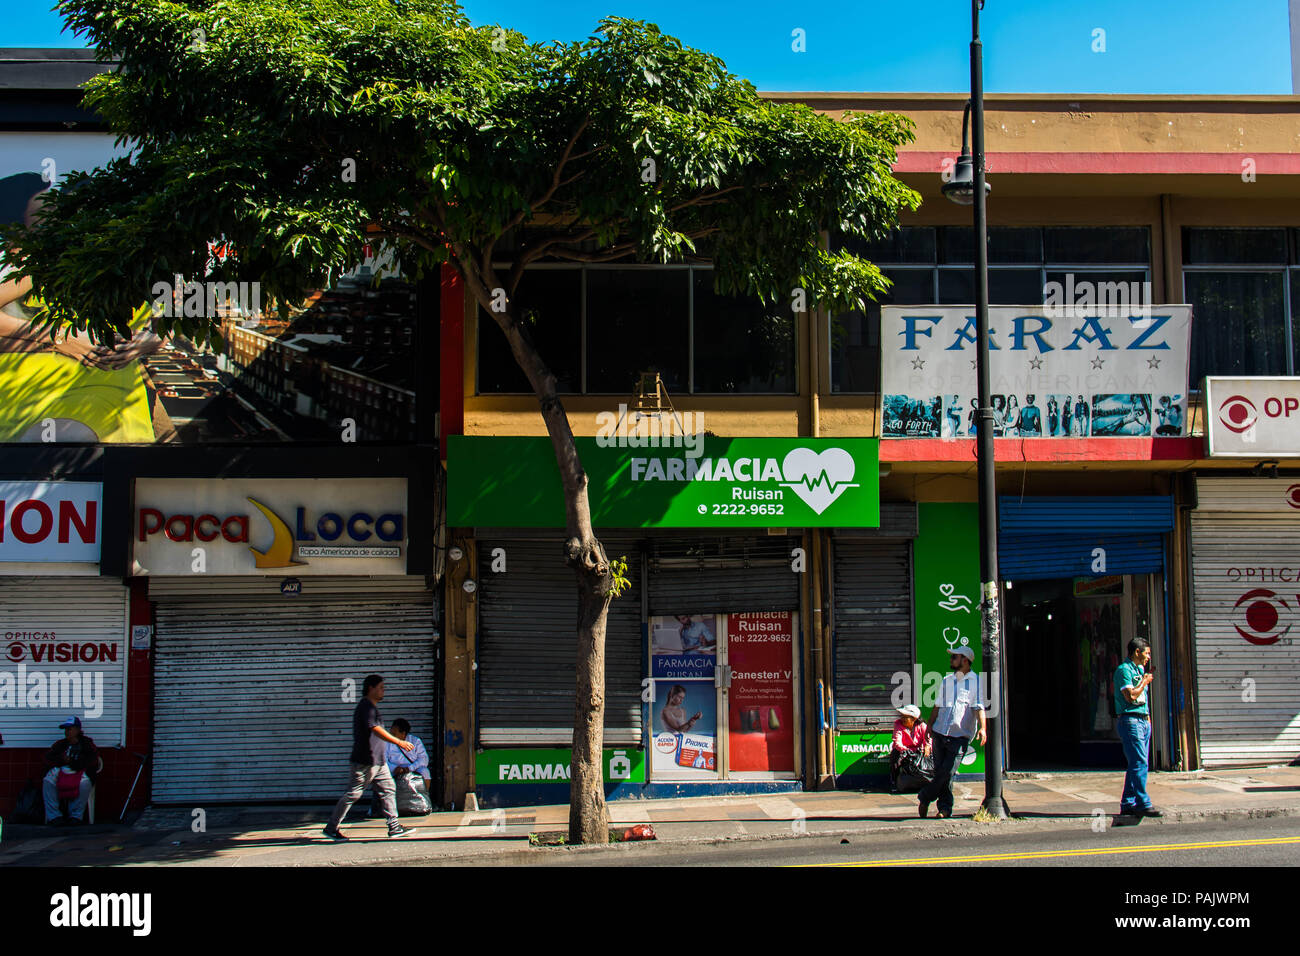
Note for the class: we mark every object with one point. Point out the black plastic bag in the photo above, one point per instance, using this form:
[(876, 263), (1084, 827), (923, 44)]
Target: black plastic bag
[(915, 770), (412, 799), (29, 808)]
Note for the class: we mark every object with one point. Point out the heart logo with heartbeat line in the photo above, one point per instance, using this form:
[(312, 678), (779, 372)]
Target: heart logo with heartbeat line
[(818, 477)]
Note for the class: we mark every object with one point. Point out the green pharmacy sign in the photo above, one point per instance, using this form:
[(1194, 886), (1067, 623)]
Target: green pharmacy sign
[(710, 483), (492, 767)]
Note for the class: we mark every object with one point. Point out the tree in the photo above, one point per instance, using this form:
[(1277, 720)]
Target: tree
[(297, 132)]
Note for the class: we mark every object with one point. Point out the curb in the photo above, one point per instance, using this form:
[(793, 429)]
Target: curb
[(528, 854)]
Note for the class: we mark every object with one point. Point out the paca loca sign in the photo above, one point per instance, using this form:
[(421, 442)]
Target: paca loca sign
[(1055, 372)]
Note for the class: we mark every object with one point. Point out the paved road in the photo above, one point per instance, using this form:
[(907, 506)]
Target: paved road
[(1262, 842)]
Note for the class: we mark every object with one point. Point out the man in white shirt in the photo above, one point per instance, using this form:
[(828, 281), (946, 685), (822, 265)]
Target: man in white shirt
[(952, 724)]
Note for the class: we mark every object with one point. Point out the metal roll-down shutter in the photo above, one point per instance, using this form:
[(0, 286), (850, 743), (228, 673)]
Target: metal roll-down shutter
[(254, 692), (725, 574), (1246, 584), (42, 616), (872, 615), (528, 638)]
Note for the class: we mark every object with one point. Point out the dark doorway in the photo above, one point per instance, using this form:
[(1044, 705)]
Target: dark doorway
[(1063, 641)]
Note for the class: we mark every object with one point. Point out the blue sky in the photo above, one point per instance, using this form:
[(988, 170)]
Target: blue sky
[(1151, 46)]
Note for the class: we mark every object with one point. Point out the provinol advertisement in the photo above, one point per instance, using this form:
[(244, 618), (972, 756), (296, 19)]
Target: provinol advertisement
[(1056, 371), (1253, 417), (691, 481), (277, 527)]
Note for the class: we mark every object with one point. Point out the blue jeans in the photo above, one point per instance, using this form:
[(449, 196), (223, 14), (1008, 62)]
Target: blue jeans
[(1135, 738), (947, 751)]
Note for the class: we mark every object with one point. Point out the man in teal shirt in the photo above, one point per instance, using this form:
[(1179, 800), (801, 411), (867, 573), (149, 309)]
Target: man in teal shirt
[(1134, 726)]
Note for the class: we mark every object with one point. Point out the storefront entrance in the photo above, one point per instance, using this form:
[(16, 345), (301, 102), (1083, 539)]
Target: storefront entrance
[(1064, 639)]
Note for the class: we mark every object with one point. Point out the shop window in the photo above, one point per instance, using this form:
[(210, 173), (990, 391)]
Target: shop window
[(855, 336), (1006, 286), (1021, 245), (1239, 323), (549, 303), (1232, 246), (1241, 284), (1100, 244), (637, 321), (741, 346)]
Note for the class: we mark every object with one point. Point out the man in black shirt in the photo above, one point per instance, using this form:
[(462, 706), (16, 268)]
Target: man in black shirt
[(75, 759), (369, 762)]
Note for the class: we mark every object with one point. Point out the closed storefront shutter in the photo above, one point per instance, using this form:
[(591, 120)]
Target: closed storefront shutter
[(872, 614), (1246, 614), (254, 691), (1048, 538), (527, 645), (83, 621), (725, 574)]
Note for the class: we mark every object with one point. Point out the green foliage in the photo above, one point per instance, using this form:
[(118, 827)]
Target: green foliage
[(619, 580), (469, 144)]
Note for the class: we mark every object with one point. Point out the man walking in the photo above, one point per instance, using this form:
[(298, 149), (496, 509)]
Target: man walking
[(952, 724), (369, 761), (1134, 727)]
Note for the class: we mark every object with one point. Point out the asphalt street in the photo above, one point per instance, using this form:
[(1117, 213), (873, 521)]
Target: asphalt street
[(1235, 843)]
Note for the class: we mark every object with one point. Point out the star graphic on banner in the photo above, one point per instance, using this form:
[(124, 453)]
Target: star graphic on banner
[(1098, 363), (918, 364), (1036, 363), (1153, 362)]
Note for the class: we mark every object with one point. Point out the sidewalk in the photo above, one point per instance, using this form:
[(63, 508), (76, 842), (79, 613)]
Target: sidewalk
[(291, 836)]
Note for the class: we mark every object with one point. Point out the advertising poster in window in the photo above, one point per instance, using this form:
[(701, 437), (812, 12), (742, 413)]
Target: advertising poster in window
[(760, 652), (683, 659), (342, 359), (1107, 368), (685, 728)]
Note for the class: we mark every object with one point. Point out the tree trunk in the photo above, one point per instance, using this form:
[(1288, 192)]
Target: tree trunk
[(588, 821)]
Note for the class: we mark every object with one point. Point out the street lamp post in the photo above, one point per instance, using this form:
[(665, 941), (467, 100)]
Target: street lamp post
[(968, 187)]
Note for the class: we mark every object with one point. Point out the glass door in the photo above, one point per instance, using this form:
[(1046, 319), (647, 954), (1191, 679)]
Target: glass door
[(724, 696)]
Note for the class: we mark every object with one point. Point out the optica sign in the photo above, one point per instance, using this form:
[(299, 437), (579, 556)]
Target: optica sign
[(50, 521), (243, 526), (1253, 417)]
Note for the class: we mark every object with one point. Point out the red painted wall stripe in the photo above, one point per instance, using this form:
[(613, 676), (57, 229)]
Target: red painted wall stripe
[(1183, 164), (1046, 449)]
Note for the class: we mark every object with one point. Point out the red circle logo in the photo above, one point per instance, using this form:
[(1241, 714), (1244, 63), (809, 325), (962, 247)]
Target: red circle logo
[(16, 651), (1293, 496), (1258, 610), (1238, 413)]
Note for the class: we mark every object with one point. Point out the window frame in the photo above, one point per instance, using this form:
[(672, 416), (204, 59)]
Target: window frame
[(583, 269)]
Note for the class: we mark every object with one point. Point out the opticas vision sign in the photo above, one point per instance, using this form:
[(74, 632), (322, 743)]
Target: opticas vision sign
[(250, 526), (51, 521), (1253, 417)]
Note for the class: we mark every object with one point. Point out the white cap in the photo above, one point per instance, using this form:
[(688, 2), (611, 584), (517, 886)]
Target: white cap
[(911, 710), (965, 652)]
